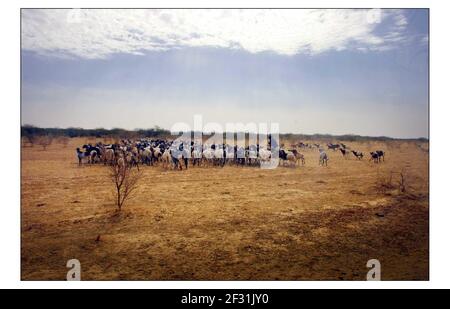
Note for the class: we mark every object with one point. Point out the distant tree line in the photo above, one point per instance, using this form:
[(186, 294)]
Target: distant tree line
[(349, 137), (30, 132)]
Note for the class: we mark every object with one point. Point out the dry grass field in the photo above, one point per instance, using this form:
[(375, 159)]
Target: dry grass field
[(231, 223)]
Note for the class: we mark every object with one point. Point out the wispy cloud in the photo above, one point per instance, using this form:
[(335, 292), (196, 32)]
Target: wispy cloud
[(101, 33)]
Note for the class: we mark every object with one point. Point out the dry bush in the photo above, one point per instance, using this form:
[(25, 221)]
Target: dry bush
[(125, 180), (384, 184), (28, 141), (63, 140), (44, 141), (402, 182), (31, 140), (424, 147), (394, 181)]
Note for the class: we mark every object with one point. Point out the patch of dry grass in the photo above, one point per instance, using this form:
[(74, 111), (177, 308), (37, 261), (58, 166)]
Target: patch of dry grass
[(229, 223)]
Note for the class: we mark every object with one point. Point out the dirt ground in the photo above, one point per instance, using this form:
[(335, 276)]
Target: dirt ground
[(231, 223)]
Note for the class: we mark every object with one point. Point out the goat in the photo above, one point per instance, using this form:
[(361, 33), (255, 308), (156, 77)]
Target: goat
[(165, 158), (282, 154), (252, 156), (176, 156), (323, 157), (196, 155), (81, 155), (264, 155), (374, 156), (208, 155), (157, 153), (287, 156), (344, 152), (88, 149), (377, 155), (146, 156), (299, 156), (380, 154), (333, 146), (121, 162), (131, 160), (358, 154), (219, 157), (93, 156), (108, 156)]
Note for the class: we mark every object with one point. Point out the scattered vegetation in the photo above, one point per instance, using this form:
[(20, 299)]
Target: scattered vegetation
[(44, 141), (29, 131), (32, 131), (396, 180), (125, 180), (63, 140)]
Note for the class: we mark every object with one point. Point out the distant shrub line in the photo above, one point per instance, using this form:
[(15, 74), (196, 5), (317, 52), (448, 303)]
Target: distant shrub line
[(27, 131), (157, 132)]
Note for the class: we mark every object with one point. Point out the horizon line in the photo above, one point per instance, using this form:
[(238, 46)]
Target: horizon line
[(156, 127)]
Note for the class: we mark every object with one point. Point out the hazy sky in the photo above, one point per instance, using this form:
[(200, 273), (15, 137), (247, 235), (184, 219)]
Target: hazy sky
[(312, 71)]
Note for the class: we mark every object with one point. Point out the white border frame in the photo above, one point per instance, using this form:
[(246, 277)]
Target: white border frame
[(439, 128)]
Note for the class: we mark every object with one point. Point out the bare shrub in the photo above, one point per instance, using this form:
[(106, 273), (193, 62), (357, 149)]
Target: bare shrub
[(402, 182), (394, 181), (125, 180), (384, 183), (63, 140), (424, 147), (44, 141), (27, 141), (30, 140)]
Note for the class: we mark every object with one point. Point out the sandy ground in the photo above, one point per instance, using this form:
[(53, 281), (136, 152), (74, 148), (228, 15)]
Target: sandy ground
[(232, 223)]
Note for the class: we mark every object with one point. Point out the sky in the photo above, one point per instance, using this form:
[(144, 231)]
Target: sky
[(311, 71)]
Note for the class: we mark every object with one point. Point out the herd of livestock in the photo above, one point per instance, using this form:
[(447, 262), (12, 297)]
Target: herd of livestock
[(176, 155)]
